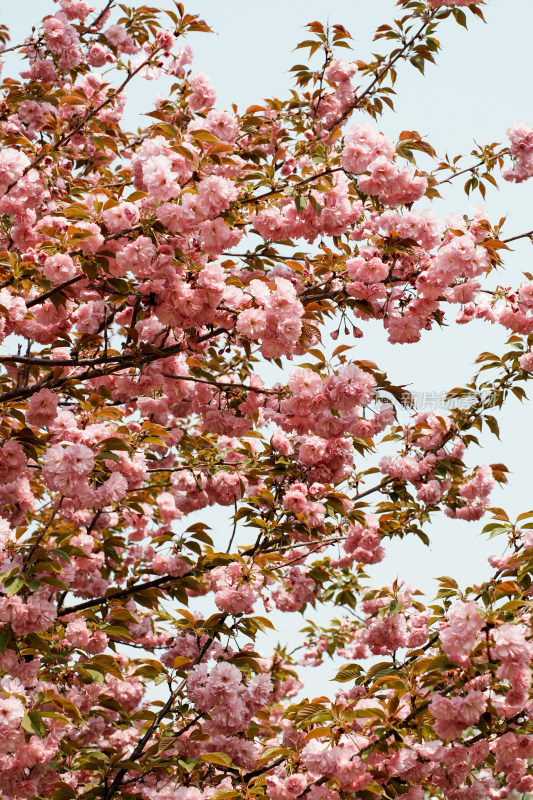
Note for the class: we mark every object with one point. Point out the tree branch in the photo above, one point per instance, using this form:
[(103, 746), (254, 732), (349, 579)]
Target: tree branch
[(382, 72), (41, 536), (139, 749)]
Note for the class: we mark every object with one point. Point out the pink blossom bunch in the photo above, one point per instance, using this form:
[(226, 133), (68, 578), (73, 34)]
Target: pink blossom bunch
[(42, 409), (512, 753), (392, 185), (155, 287), (362, 544), (339, 71), (75, 9), (311, 406), (459, 637), (222, 124), (297, 500), (78, 635), (37, 614), (163, 564), (476, 492), (203, 95), (364, 144), (66, 468), (230, 701), (340, 760), (298, 589), (13, 163), (454, 715), (408, 468), (521, 149), (154, 148), (404, 625), (62, 40), (290, 787), (118, 37), (515, 653), (329, 213), (236, 590)]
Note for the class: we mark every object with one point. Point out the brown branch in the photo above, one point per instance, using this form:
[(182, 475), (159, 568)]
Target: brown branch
[(65, 362), (41, 536), (374, 488), (65, 138), (139, 749), (102, 13), (303, 182), (220, 385), (84, 362), (15, 47), (126, 361), (119, 594), (528, 234), (329, 295), (276, 257), (45, 295), (261, 770), (473, 167), (382, 72)]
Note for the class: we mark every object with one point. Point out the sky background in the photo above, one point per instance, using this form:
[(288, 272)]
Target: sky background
[(482, 83)]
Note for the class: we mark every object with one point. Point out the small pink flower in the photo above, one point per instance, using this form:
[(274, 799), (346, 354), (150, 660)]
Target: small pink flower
[(42, 409)]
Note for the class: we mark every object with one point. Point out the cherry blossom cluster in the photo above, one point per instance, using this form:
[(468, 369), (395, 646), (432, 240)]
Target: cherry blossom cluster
[(164, 491)]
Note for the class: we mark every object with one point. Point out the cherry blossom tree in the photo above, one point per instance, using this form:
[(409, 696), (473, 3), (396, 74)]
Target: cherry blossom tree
[(151, 283)]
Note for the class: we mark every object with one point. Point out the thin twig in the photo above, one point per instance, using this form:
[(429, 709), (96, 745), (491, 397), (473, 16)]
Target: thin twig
[(382, 72), (481, 163), (41, 536), (102, 13), (528, 234)]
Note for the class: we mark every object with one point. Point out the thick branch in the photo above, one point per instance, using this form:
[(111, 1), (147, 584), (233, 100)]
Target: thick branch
[(124, 362), (119, 594), (139, 749)]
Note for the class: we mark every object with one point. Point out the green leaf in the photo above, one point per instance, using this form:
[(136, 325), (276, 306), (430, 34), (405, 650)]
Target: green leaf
[(348, 672), (117, 630), (221, 759), (300, 203), (13, 585), (263, 622), (493, 426), (114, 443), (394, 607), (204, 136), (105, 663), (460, 16), (381, 667), (107, 455), (32, 723), (95, 675), (4, 640)]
